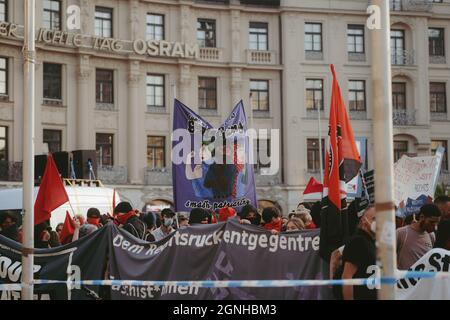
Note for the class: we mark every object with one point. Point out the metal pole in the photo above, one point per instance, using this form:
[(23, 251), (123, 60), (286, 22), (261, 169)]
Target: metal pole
[(320, 145), (383, 150), (29, 57)]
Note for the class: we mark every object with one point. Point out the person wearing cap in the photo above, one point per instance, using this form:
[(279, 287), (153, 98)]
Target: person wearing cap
[(127, 218), (166, 227), (183, 221)]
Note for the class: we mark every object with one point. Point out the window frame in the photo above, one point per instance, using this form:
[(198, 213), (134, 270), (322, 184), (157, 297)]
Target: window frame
[(214, 32), (397, 94), (154, 26), (355, 36), (97, 144), (6, 139), (59, 133), (103, 82), (433, 40), (51, 12), (356, 91), (207, 89), (312, 34), (5, 3), (154, 86), (435, 94), (398, 153), (314, 90), (262, 25), (6, 71), (52, 80), (258, 92), (104, 10), (316, 155), (152, 150)]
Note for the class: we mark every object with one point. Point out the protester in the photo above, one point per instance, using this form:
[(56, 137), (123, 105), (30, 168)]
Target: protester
[(443, 203), (359, 254), (226, 213), (198, 216), (316, 209), (443, 235), (272, 219), (166, 225), (183, 221), (414, 240), (80, 218), (305, 215), (149, 218), (86, 229), (295, 224), (9, 228), (59, 228), (94, 217), (127, 218), (41, 236), (250, 214), (54, 240)]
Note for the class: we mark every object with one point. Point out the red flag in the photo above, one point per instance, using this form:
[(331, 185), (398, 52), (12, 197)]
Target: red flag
[(342, 157), (342, 165), (67, 230), (313, 191), (52, 193), (114, 201)]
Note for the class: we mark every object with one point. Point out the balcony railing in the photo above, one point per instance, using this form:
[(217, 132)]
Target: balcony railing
[(260, 57), (402, 57), (211, 54), (411, 5), (113, 175), (404, 117)]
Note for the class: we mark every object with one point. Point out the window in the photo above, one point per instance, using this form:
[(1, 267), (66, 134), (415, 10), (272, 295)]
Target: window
[(155, 90), (53, 139), (399, 96), (438, 97), (206, 33), (258, 38), (103, 22), (398, 46), (52, 81), (3, 76), (259, 91), (313, 37), (104, 86), (357, 95), (396, 5), (52, 15), (156, 152), (314, 154), (3, 10), (104, 147), (155, 26), (436, 43), (262, 152), (400, 149), (207, 93), (314, 94), (355, 38), (435, 144), (3, 143)]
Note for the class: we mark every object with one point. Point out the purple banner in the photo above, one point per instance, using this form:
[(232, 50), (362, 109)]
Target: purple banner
[(214, 171)]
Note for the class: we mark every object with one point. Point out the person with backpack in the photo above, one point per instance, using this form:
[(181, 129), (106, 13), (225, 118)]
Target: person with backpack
[(127, 218)]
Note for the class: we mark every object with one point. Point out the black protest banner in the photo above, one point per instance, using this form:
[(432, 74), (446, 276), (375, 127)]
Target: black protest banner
[(225, 251), (81, 260)]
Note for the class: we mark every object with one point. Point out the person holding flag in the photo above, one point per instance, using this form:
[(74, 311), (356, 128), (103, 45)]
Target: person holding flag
[(342, 165)]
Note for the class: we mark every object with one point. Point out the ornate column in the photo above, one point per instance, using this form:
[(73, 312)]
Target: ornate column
[(134, 19), (85, 141), (235, 36), (184, 92), (236, 86), (134, 126)]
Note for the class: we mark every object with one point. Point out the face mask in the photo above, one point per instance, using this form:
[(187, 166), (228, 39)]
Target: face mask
[(168, 222)]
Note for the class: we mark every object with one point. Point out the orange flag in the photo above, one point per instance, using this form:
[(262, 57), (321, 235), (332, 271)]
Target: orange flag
[(342, 165), (52, 193)]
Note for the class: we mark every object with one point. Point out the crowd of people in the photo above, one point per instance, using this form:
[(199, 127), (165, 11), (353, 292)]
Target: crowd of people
[(415, 235)]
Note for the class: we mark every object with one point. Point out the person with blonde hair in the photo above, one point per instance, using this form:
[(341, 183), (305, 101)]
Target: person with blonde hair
[(305, 215), (295, 224)]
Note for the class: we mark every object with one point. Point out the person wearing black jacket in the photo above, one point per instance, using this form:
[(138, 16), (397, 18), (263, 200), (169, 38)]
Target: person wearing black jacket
[(128, 219)]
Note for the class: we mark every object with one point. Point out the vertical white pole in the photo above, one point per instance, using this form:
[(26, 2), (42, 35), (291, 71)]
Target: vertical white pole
[(383, 149), (29, 56)]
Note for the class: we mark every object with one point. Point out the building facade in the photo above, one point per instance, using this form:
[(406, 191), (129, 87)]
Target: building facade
[(109, 85)]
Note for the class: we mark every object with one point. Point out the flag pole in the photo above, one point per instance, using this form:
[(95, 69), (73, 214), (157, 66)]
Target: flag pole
[(320, 144), (29, 57), (383, 150)]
